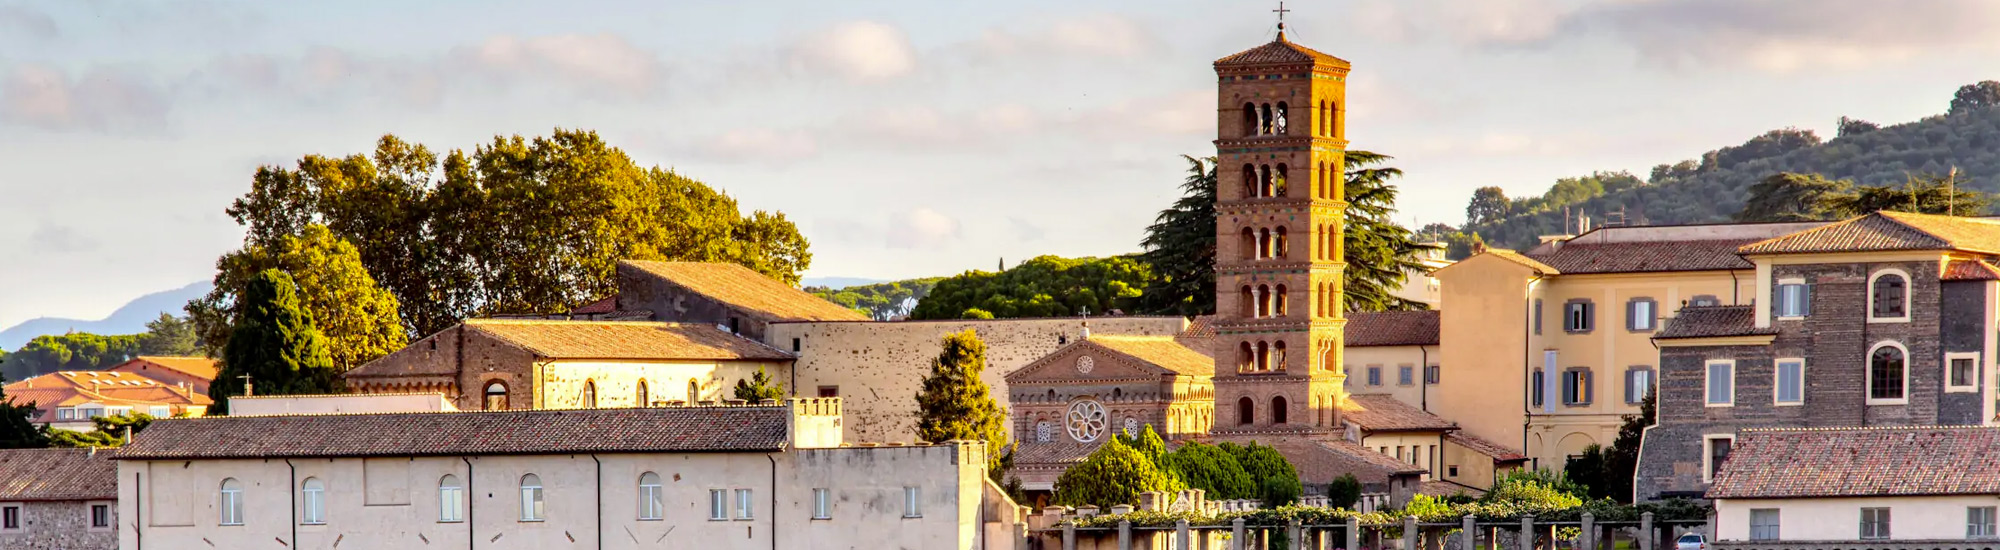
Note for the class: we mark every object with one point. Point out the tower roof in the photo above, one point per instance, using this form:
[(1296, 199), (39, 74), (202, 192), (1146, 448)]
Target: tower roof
[(1281, 52)]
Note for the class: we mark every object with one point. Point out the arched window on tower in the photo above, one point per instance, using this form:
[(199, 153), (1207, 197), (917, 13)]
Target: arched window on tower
[(1249, 181), (1248, 304), (1281, 246), (1264, 180), (1246, 411), (1263, 356), (1284, 112), (1249, 243), (1264, 122), (1319, 182), (1278, 183), (1249, 119), (1280, 303), (1278, 355), (1244, 358), (1323, 124), (1263, 301), (1278, 410), (1263, 243), (1333, 119)]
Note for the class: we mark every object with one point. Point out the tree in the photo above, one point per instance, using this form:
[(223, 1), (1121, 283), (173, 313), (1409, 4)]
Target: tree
[(515, 225), (1113, 474), (1488, 205), (74, 351), (1621, 461), (1789, 197), (1148, 443), (1180, 247), (17, 426), (359, 318), (1590, 470), (881, 301), (1853, 127), (759, 387), (1211, 469), (1380, 253), (1344, 491), (1920, 193), (1277, 482), (1046, 286), (955, 404), (112, 431), (1975, 96), (169, 335), (274, 342)]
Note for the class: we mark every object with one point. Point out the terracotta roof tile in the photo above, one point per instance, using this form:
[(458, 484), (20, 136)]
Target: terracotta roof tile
[(633, 430), (116, 388), (1364, 458), (1970, 270), (1203, 326), (200, 367), (599, 307), (554, 339), (1160, 351), (739, 286), (1522, 259), (1392, 328), (1280, 52), (1054, 453), (1580, 256), (1888, 231), (1482, 446), (57, 474), (1713, 322), (1861, 462), (1383, 413)]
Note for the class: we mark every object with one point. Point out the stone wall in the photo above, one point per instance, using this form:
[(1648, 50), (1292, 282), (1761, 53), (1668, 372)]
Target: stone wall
[(878, 367), (61, 525), (1836, 337), (1963, 329)]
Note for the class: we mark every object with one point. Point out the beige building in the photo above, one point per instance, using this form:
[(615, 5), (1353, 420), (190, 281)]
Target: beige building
[(748, 477), (1452, 462), (1393, 353), (339, 403), (68, 400), (1550, 348), (58, 499), (1824, 486)]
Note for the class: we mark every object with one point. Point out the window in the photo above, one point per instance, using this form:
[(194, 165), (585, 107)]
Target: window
[(1432, 374), (1578, 316), (718, 504), (1791, 383), (1887, 374), (652, 501), (160, 411), (1764, 524), (1538, 316), (100, 516), (1704, 300), (312, 501), (1961, 372), (1246, 411), (589, 399), (795, 345), (1374, 375), (822, 504), (1406, 375), (531, 499), (1721, 383), (1638, 383), (1576, 386), (10, 517), (743, 504), (1536, 381), (232, 502), (1044, 432), (1451, 471), (1979, 522), (829, 391), (1794, 299), (1874, 523), (1889, 296), (645, 399), (913, 502), (1278, 409), (496, 396), (66, 413), (1641, 314), (1718, 452), (451, 500)]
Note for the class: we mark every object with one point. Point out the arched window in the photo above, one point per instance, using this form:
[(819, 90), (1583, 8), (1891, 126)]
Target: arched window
[(1325, 120), (312, 502), (1117, 393), (1249, 119), (1263, 356), (1263, 301), (645, 400), (1284, 112), (1044, 431), (232, 502), (589, 400), (1888, 373), (652, 500), (1278, 410), (451, 500), (496, 396), (1282, 244), (1263, 243), (1264, 180), (1246, 359), (1278, 355), (1333, 119), (1246, 411), (1249, 243), (1278, 183), (1264, 120), (1249, 301), (1319, 189), (1052, 395), (694, 392), (1889, 296), (531, 498), (1279, 302), (1249, 181)]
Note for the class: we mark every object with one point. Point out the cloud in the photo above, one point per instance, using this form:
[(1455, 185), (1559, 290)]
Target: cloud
[(56, 239), (598, 60), (922, 228), (18, 21), (101, 100), (1100, 35), (855, 51), (760, 144), (1026, 231), (1190, 112)]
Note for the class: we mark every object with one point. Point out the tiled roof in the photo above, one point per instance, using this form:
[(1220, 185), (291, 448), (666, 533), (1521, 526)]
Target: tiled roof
[(1888, 231), (1280, 51), (624, 430), (1202, 326), (1160, 351), (116, 388), (1383, 413), (1392, 328), (1970, 270), (1480, 445), (1522, 259), (752, 291), (1581, 256), (599, 307), (200, 367), (1359, 456), (1713, 322), (57, 474), (624, 340), (1053, 453), (1861, 462)]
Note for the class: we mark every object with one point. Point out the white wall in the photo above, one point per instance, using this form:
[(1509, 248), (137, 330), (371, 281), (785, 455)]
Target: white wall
[(339, 403), (1839, 519)]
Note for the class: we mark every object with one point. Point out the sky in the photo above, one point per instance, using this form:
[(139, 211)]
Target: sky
[(906, 138)]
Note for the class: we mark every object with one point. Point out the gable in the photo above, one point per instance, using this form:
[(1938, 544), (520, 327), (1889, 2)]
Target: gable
[(1492, 262), (1062, 366)]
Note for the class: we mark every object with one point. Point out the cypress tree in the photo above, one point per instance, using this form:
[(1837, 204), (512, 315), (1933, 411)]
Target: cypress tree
[(956, 404), (275, 343)]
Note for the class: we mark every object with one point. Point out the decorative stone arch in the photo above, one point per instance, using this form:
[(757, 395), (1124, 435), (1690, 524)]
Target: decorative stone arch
[(1246, 411), (1249, 241), (496, 395), (1249, 181), (1279, 408), (1263, 356), (1246, 358), (1882, 282), (1250, 124), (1263, 300)]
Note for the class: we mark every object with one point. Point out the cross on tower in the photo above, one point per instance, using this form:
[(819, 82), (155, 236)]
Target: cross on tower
[(1281, 11)]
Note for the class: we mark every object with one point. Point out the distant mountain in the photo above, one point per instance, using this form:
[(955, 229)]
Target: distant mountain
[(839, 282), (129, 319)]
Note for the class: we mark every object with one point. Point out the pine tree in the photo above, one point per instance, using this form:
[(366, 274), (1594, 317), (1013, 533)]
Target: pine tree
[(275, 344), (1180, 245), (955, 403), (759, 387), (17, 426)]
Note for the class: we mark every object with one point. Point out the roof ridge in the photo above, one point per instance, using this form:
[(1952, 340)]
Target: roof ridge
[(1872, 428)]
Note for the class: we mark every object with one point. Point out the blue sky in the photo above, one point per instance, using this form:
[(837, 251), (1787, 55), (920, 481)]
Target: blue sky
[(905, 138)]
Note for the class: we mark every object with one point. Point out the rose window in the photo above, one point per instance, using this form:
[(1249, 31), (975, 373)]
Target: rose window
[(1084, 364), (1086, 421)]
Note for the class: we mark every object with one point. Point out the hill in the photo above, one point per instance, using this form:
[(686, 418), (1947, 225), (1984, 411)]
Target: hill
[(1713, 187), (128, 319)]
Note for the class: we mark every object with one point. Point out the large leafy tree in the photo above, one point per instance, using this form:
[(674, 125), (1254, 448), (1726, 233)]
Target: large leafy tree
[(1277, 481), (74, 351), (1488, 204), (759, 387), (1211, 469), (1113, 474), (516, 225), (17, 426), (358, 317), (955, 404), (1788, 197), (1380, 253), (274, 343), (169, 335), (1180, 247), (1921, 193), (1046, 286), (881, 301), (1981, 95)]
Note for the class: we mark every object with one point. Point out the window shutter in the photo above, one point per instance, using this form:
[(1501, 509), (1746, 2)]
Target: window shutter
[(1631, 315), (1807, 298), (1589, 389), (1589, 315)]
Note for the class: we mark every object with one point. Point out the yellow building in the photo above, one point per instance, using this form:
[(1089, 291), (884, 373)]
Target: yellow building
[(1550, 348)]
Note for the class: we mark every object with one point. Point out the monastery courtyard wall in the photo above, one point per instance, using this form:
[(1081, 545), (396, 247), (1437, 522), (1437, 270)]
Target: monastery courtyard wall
[(876, 368)]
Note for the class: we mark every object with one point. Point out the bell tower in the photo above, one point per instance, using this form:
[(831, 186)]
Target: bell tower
[(1280, 143)]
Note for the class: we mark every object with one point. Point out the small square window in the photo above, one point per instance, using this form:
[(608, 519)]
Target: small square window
[(1794, 299), (1406, 375), (100, 516), (1451, 471), (1764, 524), (1579, 316), (1979, 522), (1721, 383), (1374, 375), (1791, 383), (829, 391), (822, 504), (1874, 523), (1641, 314), (913, 502), (1962, 372), (1432, 374), (10, 518), (1718, 453)]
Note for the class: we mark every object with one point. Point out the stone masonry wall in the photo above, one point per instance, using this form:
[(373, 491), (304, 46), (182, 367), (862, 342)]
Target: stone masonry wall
[(1963, 329), (63, 525), (1670, 458)]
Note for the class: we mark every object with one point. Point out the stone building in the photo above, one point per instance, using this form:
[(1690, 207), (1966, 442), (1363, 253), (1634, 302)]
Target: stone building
[(58, 499), (1886, 319), (1882, 487), (1068, 403), (723, 477), (193, 372), (69, 399), (721, 294)]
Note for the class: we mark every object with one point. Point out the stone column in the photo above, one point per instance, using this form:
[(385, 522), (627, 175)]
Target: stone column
[(1587, 538), (1646, 535), (1409, 532), (1468, 535), (1124, 534), (1353, 533), (1292, 534), (1020, 535), (1527, 532), (1181, 536), (1069, 536), (1236, 541)]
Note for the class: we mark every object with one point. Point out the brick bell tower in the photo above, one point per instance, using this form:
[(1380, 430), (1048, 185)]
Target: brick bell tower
[(1280, 143)]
